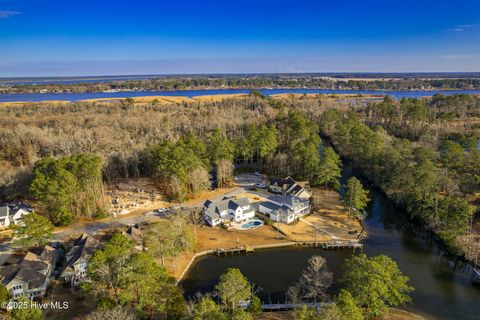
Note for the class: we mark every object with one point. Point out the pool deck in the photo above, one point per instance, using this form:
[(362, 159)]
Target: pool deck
[(239, 226)]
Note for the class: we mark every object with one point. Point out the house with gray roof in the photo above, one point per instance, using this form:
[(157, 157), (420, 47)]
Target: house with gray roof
[(227, 210), (288, 186), (285, 209), (30, 277), (74, 268)]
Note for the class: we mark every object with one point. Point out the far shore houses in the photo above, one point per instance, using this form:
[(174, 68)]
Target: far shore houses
[(227, 210)]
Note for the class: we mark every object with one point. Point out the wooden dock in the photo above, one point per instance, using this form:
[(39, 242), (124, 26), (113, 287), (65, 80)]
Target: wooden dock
[(341, 245), (290, 306), (331, 245), (241, 249)]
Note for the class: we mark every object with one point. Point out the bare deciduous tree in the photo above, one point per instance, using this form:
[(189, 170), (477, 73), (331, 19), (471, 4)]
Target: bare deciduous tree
[(117, 313), (224, 173), (313, 283)]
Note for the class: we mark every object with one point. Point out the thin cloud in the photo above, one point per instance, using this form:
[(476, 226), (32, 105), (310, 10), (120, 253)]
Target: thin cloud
[(4, 14), (463, 27)]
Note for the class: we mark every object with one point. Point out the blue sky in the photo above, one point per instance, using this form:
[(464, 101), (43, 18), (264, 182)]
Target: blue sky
[(103, 37)]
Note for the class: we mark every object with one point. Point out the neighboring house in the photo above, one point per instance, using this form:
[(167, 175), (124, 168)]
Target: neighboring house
[(227, 210), (4, 217), (289, 186), (285, 209), (31, 275), (13, 213), (74, 268)]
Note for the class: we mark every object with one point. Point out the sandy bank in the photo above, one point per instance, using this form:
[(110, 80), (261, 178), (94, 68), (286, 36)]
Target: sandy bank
[(201, 98)]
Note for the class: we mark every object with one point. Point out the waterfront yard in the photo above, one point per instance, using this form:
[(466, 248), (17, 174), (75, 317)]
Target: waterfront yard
[(209, 238), (328, 222)]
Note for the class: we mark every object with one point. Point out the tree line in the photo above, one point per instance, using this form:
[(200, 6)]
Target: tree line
[(413, 118), (410, 173), (251, 82)]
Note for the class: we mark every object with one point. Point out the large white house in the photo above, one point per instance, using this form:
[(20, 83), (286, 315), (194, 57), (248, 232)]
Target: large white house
[(13, 213), (227, 209), (285, 209)]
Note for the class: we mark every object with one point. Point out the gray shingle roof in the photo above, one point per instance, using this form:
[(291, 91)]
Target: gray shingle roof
[(84, 245), (277, 199), (215, 208), (33, 270), (270, 205), (289, 200)]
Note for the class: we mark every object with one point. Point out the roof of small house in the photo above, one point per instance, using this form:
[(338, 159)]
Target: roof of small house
[(281, 181)]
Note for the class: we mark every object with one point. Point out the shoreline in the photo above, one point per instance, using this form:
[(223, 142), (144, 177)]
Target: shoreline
[(2, 93), (199, 98), (374, 93), (254, 248)]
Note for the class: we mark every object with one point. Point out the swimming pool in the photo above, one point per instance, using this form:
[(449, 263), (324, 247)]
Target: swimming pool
[(251, 224)]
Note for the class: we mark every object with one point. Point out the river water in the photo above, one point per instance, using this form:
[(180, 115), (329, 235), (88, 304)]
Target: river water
[(443, 288), (193, 93)]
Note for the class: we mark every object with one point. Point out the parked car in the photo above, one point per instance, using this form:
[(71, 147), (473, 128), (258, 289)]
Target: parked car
[(258, 174), (162, 210), (260, 185)]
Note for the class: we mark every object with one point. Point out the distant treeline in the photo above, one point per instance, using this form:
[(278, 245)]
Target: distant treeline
[(252, 82)]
